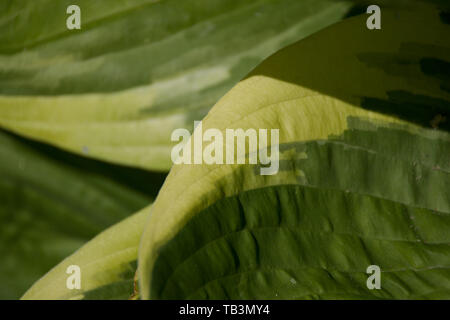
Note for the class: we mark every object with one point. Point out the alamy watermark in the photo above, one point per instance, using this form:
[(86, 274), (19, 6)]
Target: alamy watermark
[(374, 280), (74, 20), (374, 20), (73, 281), (236, 146)]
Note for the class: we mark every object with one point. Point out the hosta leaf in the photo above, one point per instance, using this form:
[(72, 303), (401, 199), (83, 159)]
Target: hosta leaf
[(52, 202), (107, 264), (117, 88), (364, 175)]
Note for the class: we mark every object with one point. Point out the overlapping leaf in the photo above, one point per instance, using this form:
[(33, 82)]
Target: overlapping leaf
[(107, 266), (52, 202), (117, 88), (363, 180)]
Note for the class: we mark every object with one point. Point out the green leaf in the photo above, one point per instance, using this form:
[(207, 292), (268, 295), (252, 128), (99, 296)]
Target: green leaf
[(52, 202), (107, 266), (363, 177), (116, 89)]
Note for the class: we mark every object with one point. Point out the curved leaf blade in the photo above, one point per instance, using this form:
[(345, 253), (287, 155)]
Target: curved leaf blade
[(137, 70), (363, 178), (107, 264), (52, 202)]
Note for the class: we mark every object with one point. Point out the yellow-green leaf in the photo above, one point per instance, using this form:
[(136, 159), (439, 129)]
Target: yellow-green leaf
[(117, 88), (363, 175), (107, 266)]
